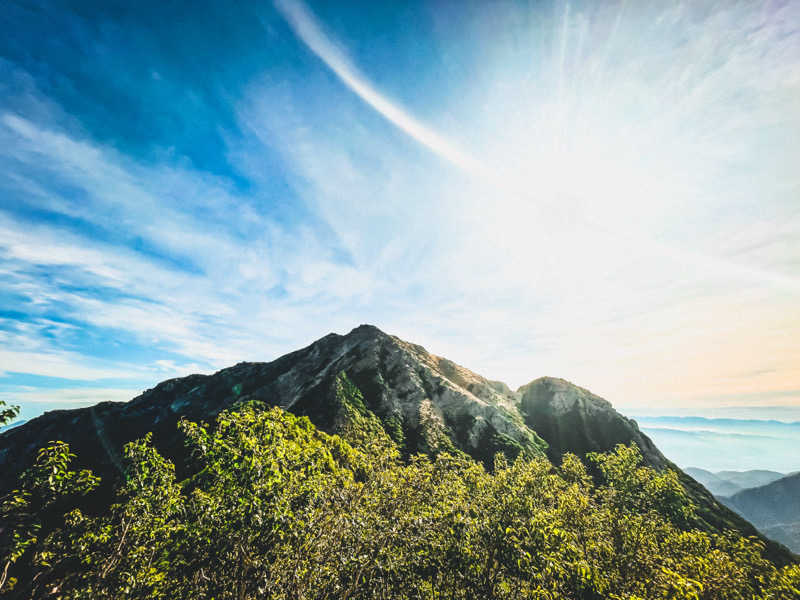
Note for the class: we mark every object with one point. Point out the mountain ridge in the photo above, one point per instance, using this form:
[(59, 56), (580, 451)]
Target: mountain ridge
[(728, 483), (300, 381), (425, 402)]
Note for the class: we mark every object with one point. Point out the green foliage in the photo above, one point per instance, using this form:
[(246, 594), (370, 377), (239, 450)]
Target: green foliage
[(638, 489), (509, 447), (361, 428), (7, 413), (275, 508), (122, 554), (42, 489), (394, 427), (493, 442), (347, 394)]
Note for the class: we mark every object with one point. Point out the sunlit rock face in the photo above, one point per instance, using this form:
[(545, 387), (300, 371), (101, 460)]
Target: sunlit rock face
[(426, 403)]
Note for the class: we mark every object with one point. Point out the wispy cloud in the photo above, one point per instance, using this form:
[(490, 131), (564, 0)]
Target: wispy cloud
[(308, 29), (197, 289), (75, 395)]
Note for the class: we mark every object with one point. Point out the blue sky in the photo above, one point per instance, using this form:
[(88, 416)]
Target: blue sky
[(606, 192)]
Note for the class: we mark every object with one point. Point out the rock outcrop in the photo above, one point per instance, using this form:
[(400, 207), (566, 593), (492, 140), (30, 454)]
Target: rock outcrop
[(572, 419)]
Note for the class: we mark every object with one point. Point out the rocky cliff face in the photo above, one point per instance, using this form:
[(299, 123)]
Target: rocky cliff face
[(426, 404)]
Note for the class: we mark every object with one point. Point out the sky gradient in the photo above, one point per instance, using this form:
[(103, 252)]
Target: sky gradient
[(606, 192)]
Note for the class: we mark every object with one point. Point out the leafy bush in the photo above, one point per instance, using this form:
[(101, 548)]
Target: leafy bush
[(7, 413), (275, 508)]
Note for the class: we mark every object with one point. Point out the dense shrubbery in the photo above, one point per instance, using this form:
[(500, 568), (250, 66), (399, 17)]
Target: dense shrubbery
[(277, 509)]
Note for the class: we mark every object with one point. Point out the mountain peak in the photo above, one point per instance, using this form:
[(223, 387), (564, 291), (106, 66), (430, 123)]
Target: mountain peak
[(573, 419), (366, 329), (427, 403)]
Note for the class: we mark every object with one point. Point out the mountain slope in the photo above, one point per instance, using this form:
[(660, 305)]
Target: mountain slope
[(750, 479), (572, 419), (773, 508), (712, 482), (425, 403)]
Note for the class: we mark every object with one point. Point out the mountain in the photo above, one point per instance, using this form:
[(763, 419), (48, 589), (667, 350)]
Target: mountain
[(750, 479), (572, 419), (728, 483), (426, 403), (773, 508), (712, 482), (10, 425)]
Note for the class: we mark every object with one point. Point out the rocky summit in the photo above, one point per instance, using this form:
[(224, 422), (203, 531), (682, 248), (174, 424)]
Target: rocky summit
[(426, 403), (574, 420)]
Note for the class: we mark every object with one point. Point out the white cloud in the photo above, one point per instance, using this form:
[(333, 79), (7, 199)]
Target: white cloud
[(72, 396), (308, 29), (49, 362)]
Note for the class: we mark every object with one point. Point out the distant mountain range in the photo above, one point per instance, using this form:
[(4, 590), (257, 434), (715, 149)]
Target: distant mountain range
[(726, 444), (724, 424), (773, 508), (768, 499), (728, 483), (426, 403)]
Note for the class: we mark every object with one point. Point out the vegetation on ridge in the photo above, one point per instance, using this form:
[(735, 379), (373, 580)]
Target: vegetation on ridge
[(275, 508), (7, 413)]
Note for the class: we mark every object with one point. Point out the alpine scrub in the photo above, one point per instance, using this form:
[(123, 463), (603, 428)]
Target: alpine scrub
[(272, 507)]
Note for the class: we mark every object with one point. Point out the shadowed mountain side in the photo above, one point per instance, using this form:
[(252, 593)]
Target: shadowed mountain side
[(572, 419), (787, 534), (773, 508)]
